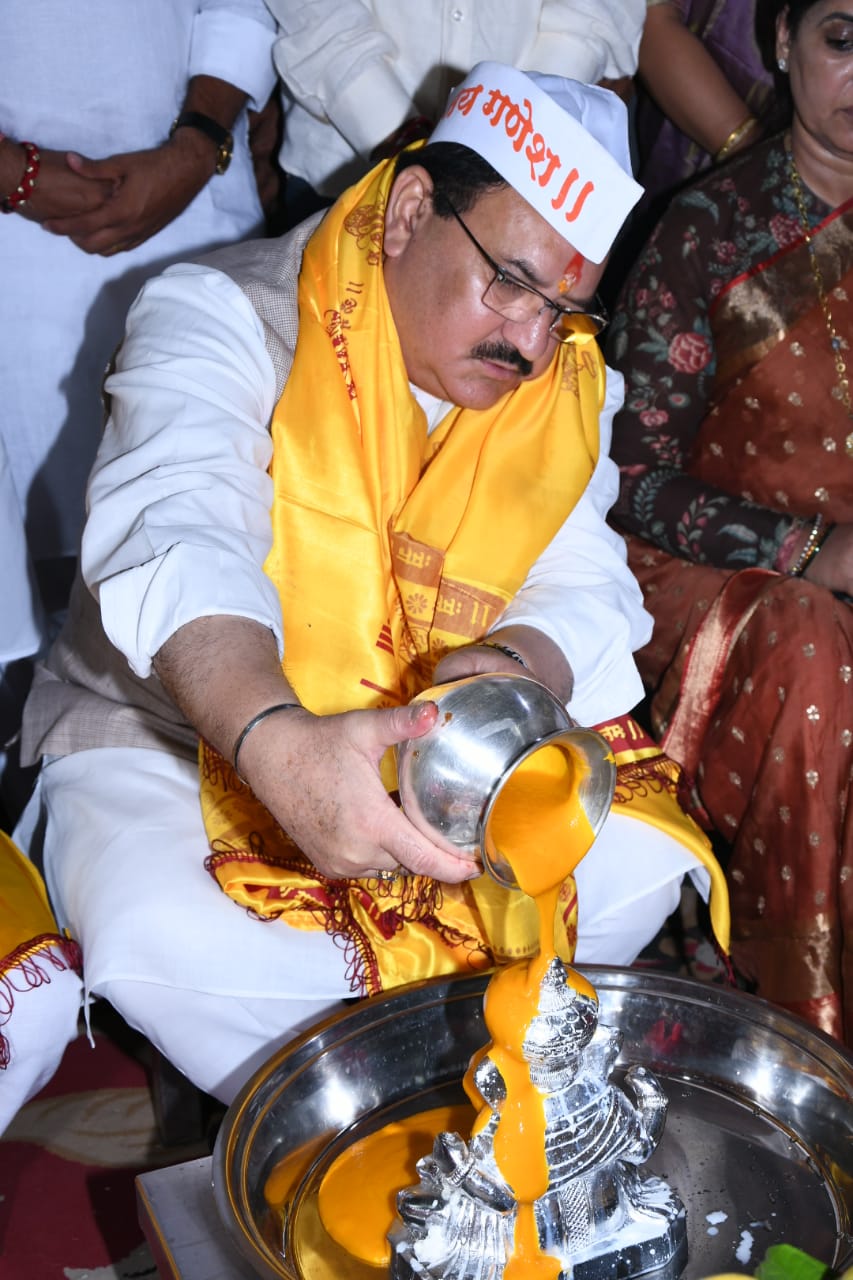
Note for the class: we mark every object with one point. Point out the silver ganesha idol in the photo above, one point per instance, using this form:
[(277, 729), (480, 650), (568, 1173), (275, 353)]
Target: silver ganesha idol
[(600, 1215)]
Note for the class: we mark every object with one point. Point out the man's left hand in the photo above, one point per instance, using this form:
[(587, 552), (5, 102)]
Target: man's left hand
[(475, 660), (540, 658)]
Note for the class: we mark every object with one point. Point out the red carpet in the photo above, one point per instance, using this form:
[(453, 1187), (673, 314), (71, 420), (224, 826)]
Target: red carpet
[(67, 1165)]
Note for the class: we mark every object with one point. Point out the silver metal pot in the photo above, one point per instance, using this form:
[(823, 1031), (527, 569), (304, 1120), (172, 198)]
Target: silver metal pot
[(487, 725)]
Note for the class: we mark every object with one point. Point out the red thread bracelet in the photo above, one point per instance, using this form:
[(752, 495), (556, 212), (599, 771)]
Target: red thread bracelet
[(25, 187)]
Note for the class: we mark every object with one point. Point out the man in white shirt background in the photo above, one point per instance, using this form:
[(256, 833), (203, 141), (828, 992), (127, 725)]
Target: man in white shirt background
[(361, 78), (99, 191)]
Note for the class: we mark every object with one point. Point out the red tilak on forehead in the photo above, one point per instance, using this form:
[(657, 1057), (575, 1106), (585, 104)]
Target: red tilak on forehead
[(571, 274)]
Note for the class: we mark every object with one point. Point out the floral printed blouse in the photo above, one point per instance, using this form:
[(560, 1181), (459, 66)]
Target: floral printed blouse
[(661, 340)]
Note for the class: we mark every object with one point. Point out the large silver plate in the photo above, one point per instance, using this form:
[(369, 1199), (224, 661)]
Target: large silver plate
[(758, 1142)]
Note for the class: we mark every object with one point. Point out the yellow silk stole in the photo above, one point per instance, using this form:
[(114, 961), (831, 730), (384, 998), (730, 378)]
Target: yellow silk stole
[(648, 782), (389, 549)]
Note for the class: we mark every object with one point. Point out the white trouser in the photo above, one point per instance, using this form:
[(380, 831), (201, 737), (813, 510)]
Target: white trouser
[(42, 1003), (215, 989)]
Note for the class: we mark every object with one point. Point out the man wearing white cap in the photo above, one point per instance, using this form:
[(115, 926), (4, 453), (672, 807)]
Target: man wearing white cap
[(294, 537)]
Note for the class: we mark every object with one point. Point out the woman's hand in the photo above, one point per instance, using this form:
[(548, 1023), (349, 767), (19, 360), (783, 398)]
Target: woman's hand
[(832, 567)]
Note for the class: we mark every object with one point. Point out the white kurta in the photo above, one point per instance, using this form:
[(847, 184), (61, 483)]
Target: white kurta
[(354, 70), (102, 77)]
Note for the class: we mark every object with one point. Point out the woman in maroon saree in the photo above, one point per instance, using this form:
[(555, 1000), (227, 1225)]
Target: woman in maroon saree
[(736, 452)]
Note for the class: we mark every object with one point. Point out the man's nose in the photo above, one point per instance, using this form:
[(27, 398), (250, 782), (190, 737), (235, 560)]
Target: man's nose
[(531, 337)]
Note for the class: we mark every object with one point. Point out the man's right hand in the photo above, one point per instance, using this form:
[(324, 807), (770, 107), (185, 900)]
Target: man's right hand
[(319, 777), (60, 192)]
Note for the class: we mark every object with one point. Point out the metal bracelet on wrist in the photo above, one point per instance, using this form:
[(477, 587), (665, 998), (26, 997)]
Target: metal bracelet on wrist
[(505, 649), (253, 724)]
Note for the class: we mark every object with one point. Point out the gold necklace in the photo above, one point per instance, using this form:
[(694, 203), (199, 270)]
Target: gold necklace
[(835, 341)]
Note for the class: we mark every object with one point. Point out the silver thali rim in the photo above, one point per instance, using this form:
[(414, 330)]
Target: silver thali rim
[(234, 1140)]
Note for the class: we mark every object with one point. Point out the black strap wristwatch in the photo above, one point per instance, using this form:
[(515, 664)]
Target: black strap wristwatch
[(215, 131)]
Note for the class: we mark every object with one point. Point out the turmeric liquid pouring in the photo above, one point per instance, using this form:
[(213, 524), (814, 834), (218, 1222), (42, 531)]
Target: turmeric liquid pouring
[(540, 827)]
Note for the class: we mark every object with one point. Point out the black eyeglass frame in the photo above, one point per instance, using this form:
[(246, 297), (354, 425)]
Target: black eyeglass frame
[(599, 318)]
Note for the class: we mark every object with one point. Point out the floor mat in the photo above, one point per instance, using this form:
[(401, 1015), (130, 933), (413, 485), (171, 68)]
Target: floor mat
[(67, 1169)]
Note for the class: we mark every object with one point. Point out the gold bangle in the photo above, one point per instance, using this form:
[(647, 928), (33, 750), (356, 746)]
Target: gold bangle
[(811, 546), (818, 546), (737, 135)]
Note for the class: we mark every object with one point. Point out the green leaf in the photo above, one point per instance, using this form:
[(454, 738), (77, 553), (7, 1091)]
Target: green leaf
[(784, 1262)]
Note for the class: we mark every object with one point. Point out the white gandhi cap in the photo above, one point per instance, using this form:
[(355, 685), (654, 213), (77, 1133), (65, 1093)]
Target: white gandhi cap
[(561, 144)]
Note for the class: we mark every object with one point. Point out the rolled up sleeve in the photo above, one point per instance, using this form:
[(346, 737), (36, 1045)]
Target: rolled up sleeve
[(589, 40), (233, 41), (340, 65)]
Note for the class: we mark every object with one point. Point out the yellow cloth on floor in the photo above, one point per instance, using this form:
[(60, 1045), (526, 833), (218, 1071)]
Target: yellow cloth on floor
[(25, 917), (31, 945)]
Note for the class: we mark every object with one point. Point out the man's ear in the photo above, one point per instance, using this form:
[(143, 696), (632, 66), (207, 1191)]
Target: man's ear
[(409, 204)]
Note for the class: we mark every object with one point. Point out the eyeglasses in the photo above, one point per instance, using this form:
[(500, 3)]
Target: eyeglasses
[(513, 299)]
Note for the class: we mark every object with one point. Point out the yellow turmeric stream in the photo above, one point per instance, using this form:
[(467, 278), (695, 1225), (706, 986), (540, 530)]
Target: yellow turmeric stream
[(540, 827)]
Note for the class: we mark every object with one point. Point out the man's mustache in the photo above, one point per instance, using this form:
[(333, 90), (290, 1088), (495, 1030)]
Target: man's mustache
[(503, 353)]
